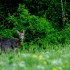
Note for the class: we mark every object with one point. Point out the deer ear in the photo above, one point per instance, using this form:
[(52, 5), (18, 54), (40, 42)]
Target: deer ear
[(17, 31), (23, 31)]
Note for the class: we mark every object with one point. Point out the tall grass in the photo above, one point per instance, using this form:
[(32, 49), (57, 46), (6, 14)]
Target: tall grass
[(48, 59)]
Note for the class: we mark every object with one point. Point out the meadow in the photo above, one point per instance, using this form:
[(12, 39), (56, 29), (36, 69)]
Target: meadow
[(43, 37), (41, 59)]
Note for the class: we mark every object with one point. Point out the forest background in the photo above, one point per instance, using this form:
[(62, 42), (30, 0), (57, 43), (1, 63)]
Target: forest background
[(45, 21)]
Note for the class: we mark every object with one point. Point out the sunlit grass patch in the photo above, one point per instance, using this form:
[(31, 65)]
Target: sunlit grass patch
[(50, 59), (34, 56)]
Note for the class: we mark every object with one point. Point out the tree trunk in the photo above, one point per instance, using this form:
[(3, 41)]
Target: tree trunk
[(63, 13)]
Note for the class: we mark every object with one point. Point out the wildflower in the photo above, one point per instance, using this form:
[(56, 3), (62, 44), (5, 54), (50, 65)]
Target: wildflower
[(44, 62), (21, 64), (34, 56), (41, 57), (54, 68), (40, 67), (58, 61)]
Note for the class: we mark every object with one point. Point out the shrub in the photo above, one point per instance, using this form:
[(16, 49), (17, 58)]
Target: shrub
[(37, 28), (6, 33)]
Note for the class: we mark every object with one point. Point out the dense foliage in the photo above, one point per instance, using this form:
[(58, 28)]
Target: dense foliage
[(46, 27), (42, 20)]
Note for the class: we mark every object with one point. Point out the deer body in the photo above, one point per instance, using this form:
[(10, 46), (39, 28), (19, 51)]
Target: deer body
[(9, 43)]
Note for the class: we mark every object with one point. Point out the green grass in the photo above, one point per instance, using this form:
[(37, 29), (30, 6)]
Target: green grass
[(49, 59)]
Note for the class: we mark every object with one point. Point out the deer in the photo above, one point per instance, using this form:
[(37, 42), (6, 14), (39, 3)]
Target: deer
[(12, 43)]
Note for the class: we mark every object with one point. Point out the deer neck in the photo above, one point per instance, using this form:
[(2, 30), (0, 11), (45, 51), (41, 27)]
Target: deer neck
[(20, 41)]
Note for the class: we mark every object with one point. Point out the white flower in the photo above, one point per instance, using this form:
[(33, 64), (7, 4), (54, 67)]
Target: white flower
[(22, 64), (56, 62), (40, 67)]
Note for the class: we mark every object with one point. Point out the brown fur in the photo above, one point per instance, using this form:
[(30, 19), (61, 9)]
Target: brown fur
[(9, 43)]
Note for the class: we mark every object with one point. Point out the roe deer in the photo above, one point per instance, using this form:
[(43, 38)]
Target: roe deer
[(9, 43)]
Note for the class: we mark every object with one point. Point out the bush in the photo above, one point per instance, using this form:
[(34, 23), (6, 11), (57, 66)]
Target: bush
[(37, 28), (66, 33), (6, 33)]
